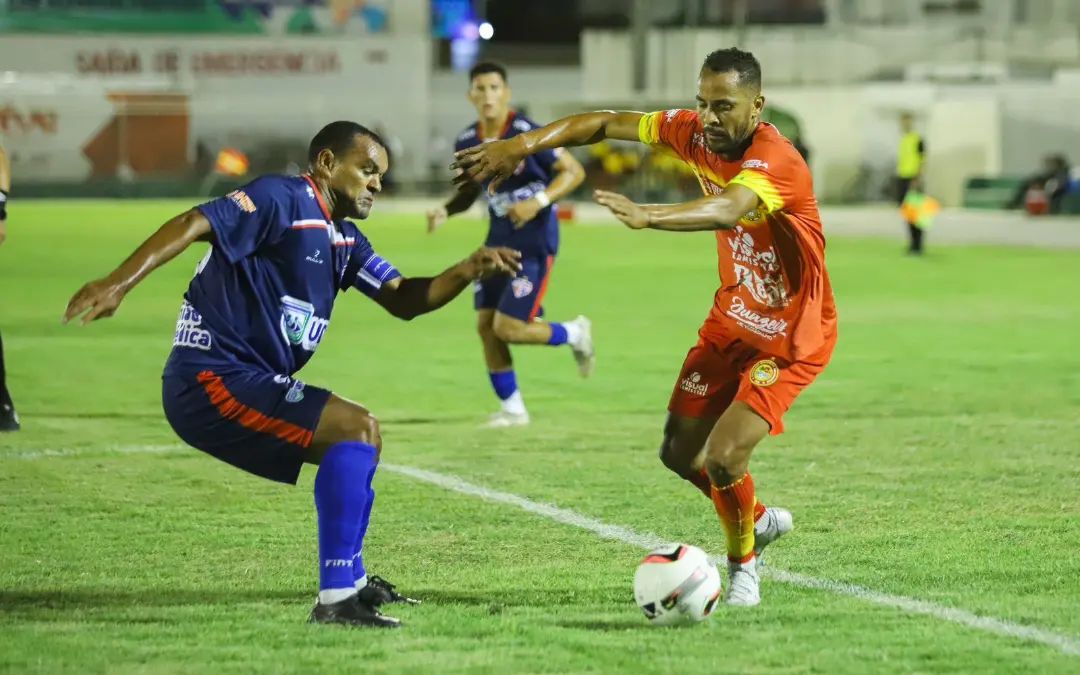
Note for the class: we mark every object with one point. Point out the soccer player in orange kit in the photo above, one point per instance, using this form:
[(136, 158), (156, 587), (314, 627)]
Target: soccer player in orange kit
[(772, 327)]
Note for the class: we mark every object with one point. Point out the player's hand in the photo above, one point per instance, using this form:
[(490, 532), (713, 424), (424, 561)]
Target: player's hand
[(632, 215), (99, 299), (489, 261), (436, 217), (523, 211), (494, 161)]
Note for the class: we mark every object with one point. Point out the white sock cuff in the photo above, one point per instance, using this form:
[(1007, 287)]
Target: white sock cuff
[(361, 582), (329, 596), (573, 332), (514, 404)]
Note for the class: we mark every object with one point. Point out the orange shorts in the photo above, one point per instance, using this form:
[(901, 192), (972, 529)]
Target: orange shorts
[(713, 376)]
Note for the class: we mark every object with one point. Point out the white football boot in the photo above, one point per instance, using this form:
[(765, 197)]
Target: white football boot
[(742, 587), (772, 525), (584, 352), (503, 420)]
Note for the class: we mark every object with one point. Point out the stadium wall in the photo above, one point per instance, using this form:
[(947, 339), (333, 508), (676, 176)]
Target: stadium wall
[(70, 105)]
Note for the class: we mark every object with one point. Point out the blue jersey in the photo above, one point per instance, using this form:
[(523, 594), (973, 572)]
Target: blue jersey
[(263, 295), (540, 236)]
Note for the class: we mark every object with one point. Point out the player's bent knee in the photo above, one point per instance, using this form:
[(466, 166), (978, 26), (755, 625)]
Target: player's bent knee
[(363, 427), (726, 462), (672, 458)]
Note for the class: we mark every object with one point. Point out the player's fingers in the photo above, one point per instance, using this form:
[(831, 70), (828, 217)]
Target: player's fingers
[(100, 310), (463, 158), (76, 306), (507, 252)]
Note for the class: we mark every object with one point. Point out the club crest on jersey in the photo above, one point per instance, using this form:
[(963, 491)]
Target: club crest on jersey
[(295, 394), (764, 373), (241, 199), (299, 325), (521, 287)]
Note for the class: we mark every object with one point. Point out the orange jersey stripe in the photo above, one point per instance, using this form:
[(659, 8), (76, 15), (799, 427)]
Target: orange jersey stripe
[(543, 290), (229, 408)]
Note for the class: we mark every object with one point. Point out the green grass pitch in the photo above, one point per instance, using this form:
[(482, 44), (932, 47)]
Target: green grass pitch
[(938, 458)]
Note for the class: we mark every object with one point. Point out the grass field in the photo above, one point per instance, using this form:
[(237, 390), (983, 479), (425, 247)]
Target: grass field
[(937, 459)]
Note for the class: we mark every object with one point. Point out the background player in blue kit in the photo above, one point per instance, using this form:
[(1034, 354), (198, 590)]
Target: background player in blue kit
[(523, 218), (281, 250)]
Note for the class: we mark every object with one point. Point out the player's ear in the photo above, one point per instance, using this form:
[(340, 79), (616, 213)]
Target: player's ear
[(324, 162), (759, 104)]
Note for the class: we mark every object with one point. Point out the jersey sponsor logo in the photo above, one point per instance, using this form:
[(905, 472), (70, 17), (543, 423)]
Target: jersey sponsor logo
[(299, 325), (521, 287), (758, 271), (314, 258), (189, 331), (241, 199), (670, 114), (755, 322), (692, 384), (765, 373), (755, 164)]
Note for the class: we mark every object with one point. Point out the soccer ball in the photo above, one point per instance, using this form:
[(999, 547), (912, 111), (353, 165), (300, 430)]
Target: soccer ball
[(676, 584)]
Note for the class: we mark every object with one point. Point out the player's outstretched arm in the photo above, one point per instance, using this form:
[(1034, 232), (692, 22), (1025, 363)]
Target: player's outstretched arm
[(409, 298), (498, 159), (462, 199), (100, 298), (715, 212)]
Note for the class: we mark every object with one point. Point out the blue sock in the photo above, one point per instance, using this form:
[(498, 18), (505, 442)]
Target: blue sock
[(504, 384), (558, 334), (358, 570), (340, 500)]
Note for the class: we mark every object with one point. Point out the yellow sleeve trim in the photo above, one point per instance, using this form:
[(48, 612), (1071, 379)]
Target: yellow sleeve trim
[(762, 187), (648, 128)]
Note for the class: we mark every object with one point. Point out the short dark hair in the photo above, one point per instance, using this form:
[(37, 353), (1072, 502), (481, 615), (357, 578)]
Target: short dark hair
[(485, 67), (733, 58), (338, 136)]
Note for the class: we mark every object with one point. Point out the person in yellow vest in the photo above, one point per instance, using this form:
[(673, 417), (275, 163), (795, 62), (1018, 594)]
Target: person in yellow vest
[(910, 157)]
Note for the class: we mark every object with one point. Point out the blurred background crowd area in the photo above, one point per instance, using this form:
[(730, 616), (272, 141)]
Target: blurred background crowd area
[(190, 97)]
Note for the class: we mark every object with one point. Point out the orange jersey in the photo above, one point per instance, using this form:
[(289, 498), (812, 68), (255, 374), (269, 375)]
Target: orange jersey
[(774, 290)]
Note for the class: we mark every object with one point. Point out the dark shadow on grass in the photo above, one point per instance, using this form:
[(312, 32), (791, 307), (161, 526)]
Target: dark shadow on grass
[(427, 421), (48, 415), (34, 602), (607, 625), (548, 597)]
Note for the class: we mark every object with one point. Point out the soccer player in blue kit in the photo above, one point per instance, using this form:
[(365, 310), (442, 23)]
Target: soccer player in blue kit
[(523, 218), (256, 310)]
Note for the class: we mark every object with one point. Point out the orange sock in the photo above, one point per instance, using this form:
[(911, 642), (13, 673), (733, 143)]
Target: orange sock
[(705, 485), (735, 505)]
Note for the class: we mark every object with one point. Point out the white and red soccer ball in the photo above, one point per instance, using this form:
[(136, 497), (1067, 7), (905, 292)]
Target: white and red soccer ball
[(676, 584)]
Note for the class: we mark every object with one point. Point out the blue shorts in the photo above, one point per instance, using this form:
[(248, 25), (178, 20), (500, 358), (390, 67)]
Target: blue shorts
[(256, 421), (521, 297)]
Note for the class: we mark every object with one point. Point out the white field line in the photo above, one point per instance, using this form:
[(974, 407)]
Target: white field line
[(1066, 644), (1063, 643)]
